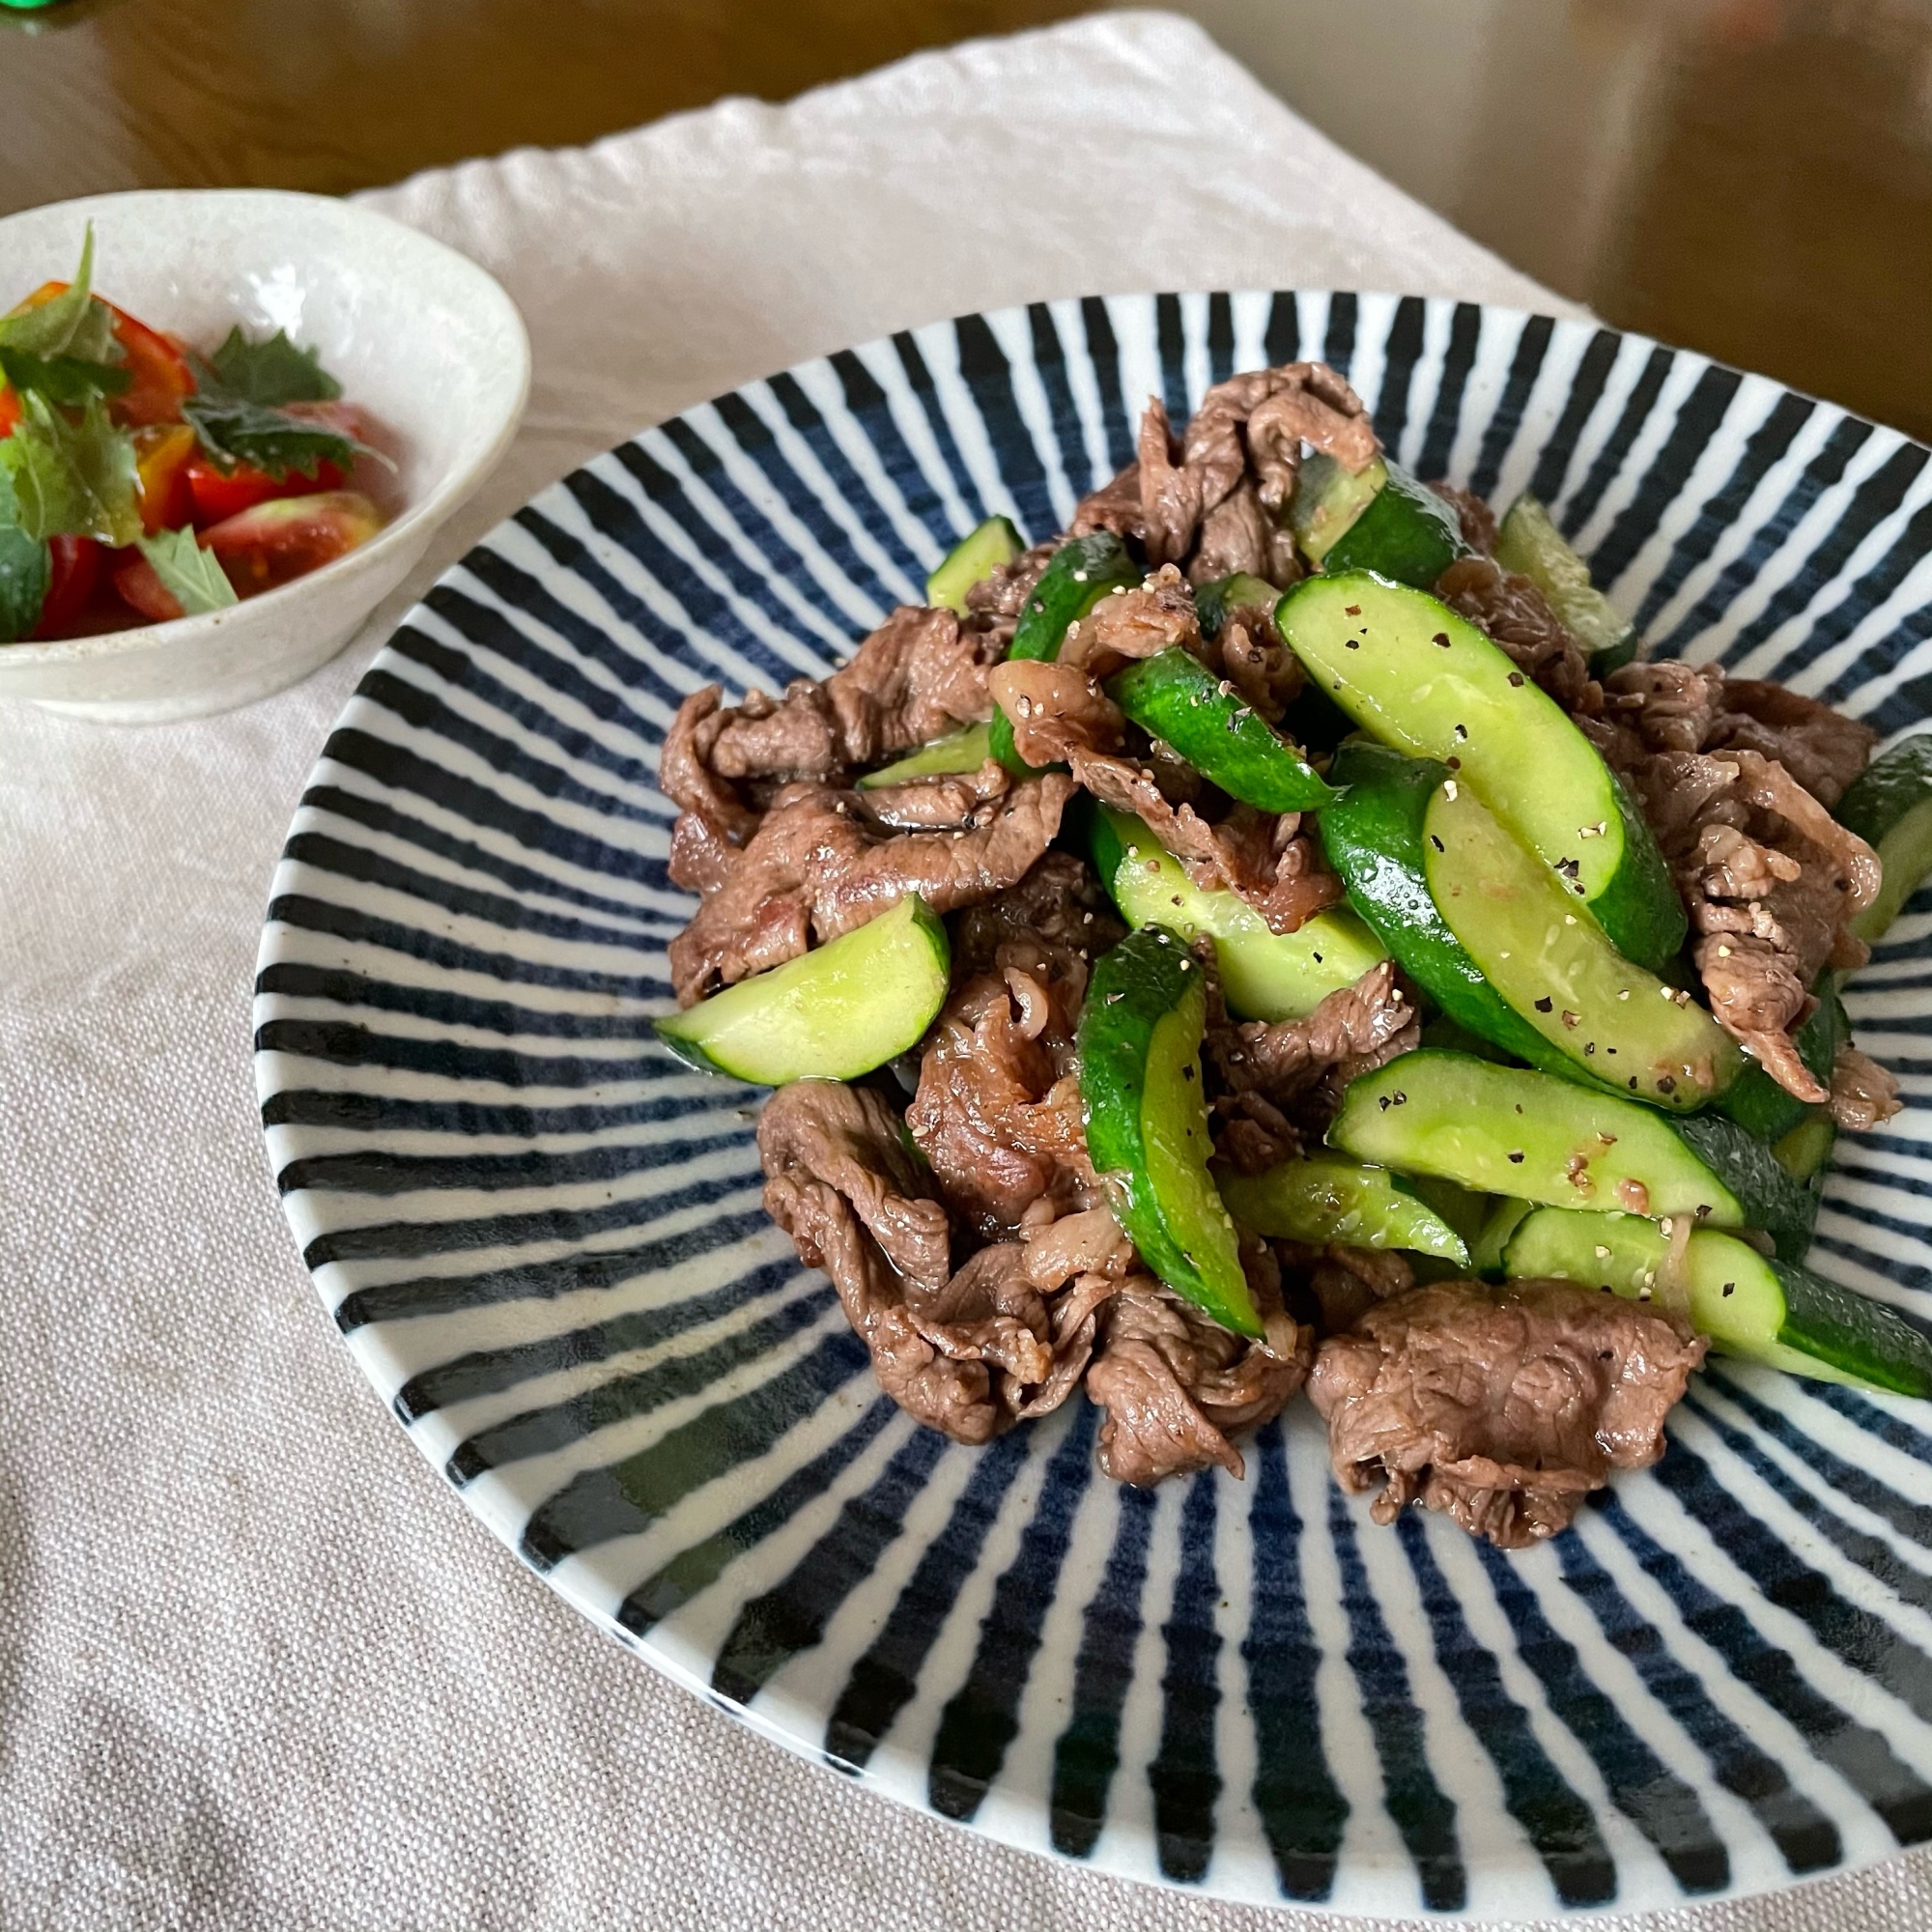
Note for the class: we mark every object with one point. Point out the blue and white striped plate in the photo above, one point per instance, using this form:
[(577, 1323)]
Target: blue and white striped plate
[(541, 1236)]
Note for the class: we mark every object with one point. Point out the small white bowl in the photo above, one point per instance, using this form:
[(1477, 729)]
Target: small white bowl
[(417, 333)]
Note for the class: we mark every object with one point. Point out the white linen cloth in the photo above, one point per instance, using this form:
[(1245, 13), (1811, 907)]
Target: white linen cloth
[(258, 1666)]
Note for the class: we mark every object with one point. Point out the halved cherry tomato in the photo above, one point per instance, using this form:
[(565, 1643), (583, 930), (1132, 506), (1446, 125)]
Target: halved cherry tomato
[(162, 454), (77, 569), (276, 542), (10, 410), (217, 498), (139, 584), (157, 373)]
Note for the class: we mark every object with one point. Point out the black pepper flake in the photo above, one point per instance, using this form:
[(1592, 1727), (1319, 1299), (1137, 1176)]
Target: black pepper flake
[(1632, 1083), (1606, 1354), (1402, 1099), (1318, 957), (1436, 842), (1187, 1074), (1516, 1160), (1385, 1103), (1442, 638), (1543, 1004), (1667, 1084), (1730, 1287), (1462, 731), (1516, 678), (1569, 868), (1589, 1046), (1349, 645), (1703, 1210)]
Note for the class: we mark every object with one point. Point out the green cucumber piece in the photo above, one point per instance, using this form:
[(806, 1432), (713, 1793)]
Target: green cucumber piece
[(1214, 602), (1174, 697), (1889, 805), (1329, 1197), (1081, 573), (1139, 1045), (971, 561), (1488, 1250), (1507, 1130), (1327, 500), (1373, 839), (1771, 1198), (1406, 533), (1551, 964), (1804, 1152), (1758, 1103), (1530, 544), (833, 1014), (1761, 1310), (1413, 673), (1264, 976), (961, 752)]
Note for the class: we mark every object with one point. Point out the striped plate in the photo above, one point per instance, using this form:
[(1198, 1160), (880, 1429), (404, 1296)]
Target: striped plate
[(542, 1239)]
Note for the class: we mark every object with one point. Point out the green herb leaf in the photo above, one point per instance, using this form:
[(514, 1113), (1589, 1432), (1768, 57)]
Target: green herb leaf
[(70, 478), (271, 372), (193, 578), (234, 430), (25, 570), (71, 325), (60, 379)]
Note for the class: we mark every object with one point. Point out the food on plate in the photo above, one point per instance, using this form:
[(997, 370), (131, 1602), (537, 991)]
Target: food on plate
[(1281, 930), (141, 480)]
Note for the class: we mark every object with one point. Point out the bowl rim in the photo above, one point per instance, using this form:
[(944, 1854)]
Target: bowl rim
[(417, 522)]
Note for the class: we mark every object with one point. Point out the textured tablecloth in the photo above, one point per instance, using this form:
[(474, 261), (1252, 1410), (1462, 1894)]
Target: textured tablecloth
[(257, 1667)]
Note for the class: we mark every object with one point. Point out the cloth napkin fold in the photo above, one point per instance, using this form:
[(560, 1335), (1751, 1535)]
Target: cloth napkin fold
[(257, 1667)]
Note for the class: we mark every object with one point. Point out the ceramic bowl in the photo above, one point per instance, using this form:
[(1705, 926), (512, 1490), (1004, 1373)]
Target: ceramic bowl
[(417, 333)]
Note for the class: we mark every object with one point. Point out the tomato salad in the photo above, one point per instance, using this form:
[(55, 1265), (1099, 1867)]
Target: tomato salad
[(141, 480)]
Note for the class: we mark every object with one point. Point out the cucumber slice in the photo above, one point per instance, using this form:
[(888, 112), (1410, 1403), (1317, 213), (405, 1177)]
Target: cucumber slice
[(1330, 1198), (1372, 837), (1174, 697), (1758, 1103), (1264, 976), (1147, 1121), (833, 1014), (1507, 1130), (1486, 1251), (1889, 805), (973, 558), (1212, 602), (1081, 573), (1807, 1149), (964, 750), (1552, 966), (1748, 1306), (1531, 545), (1405, 533), (1771, 1198), (1417, 677), (1327, 500)]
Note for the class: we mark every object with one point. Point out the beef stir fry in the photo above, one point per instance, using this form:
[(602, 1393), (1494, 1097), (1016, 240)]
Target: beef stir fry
[(1282, 931)]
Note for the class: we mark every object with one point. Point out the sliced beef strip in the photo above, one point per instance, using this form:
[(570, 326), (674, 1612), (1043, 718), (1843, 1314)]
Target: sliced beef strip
[(1300, 1069), (997, 1114), (1176, 1385), (1115, 505), (1332, 1286), (1821, 747), (1500, 1405), (994, 603), (1477, 519), (1051, 923), (818, 864), (917, 677), (1515, 614), (1863, 1093), (1249, 653), (1139, 623), (942, 803)]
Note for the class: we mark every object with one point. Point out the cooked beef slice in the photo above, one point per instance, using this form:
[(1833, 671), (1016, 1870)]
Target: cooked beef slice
[(994, 603), (1332, 1286), (820, 863), (1516, 616), (1500, 1405), (1863, 1093)]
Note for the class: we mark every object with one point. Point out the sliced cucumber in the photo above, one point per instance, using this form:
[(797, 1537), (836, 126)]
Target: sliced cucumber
[(1174, 697), (1804, 1152), (1147, 1121), (1506, 1130), (1264, 976), (1771, 1198), (964, 750), (1329, 1197), (1081, 573), (1762, 1310), (1554, 969), (1417, 677), (833, 1014), (1374, 839), (1531, 545), (1215, 602), (1404, 532), (1328, 498), (1758, 1103), (1488, 1250), (1889, 805), (972, 561)]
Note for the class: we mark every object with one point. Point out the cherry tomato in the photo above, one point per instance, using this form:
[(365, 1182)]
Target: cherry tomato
[(77, 569), (162, 453), (138, 582), (10, 410), (276, 542), (157, 373), (217, 498)]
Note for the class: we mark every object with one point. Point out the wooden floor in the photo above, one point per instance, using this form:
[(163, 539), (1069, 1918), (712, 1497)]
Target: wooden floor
[(1752, 177)]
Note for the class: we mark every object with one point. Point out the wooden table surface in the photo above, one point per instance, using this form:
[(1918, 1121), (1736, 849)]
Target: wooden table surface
[(1751, 178)]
